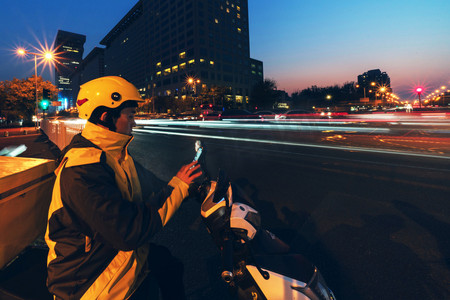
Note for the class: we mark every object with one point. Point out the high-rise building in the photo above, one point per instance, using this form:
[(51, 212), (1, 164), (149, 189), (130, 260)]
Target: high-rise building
[(256, 71), (159, 45), (70, 47), (92, 66)]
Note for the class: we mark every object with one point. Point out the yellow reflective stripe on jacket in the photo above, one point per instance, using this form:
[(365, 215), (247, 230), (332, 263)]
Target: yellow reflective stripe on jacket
[(55, 204), (180, 191), (82, 156), (116, 280)]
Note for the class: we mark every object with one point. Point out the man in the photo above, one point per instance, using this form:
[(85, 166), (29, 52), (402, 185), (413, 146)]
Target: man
[(105, 207)]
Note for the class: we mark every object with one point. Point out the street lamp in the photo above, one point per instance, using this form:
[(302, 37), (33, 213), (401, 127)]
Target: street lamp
[(419, 91), (46, 55), (382, 91), (443, 94), (193, 81)]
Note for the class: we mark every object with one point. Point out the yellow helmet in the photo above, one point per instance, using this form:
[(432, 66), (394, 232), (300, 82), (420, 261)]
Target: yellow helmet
[(108, 91)]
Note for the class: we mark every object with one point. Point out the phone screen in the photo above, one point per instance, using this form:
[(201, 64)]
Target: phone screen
[(198, 154)]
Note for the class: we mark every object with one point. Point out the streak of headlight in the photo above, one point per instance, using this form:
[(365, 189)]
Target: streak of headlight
[(426, 124), (273, 142), (231, 125)]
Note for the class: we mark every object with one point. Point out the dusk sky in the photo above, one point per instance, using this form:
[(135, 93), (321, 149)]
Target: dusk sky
[(301, 42)]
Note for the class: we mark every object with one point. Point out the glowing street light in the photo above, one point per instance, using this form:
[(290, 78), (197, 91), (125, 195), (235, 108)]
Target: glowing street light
[(193, 81), (419, 91), (47, 56)]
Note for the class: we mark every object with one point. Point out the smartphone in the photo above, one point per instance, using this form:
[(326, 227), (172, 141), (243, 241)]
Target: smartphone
[(198, 154)]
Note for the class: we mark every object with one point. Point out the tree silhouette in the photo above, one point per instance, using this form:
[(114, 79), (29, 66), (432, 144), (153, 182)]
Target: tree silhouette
[(263, 94), (17, 97)]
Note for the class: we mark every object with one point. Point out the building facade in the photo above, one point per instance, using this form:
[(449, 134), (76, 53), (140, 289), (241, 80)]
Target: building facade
[(92, 66), (160, 45), (256, 71), (178, 48), (69, 48)]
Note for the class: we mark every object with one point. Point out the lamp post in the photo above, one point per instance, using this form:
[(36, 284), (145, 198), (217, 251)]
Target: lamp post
[(443, 94), (382, 91), (47, 55), (419, 91), (192, 81)]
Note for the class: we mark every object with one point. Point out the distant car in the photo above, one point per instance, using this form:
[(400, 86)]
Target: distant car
[(210, 116), (240, 114), (266, 114), (296, 114), (188, 115)]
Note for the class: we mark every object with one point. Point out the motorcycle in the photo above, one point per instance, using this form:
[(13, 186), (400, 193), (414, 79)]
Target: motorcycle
[(256, 264)]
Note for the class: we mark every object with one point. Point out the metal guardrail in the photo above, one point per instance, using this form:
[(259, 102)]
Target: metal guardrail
[(61, 131)]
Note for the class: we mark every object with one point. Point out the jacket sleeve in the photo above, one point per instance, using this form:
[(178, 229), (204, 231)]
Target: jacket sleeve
[(166, 197), (173, 202), (90, 194)]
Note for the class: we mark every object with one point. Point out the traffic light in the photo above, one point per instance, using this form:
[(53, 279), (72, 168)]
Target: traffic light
[(45, 104), (46, 95)]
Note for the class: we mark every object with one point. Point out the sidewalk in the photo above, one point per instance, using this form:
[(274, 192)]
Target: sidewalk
[(5, 132)]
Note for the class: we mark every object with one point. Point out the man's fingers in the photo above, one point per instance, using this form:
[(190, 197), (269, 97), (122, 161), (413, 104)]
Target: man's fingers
[(194, 168), (196, 175)]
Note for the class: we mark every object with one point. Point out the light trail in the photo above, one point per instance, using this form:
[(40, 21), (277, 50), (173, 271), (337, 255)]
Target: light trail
[(263, 125), (274, 142)]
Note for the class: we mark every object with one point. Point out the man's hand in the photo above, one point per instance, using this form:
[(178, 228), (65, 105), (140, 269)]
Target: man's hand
[(188, 173)]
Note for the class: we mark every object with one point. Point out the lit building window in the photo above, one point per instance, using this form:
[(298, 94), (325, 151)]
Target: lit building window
[(202, 60), (216, 21), (183, 55), (211, 63), (175, 69), (238, 16), (158, 74), (238, 8), (239, 30), (228, 10), (167, 71), (158, 65), (182, 66)]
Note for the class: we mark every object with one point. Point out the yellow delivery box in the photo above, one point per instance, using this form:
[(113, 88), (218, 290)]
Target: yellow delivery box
[(25, 193)]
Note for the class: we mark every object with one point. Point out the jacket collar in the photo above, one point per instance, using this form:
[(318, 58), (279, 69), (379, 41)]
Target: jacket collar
[(109, 141)]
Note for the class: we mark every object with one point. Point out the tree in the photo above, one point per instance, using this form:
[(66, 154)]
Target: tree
[(215, 95), (17, 97), (263, 94), (317, 96)]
